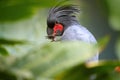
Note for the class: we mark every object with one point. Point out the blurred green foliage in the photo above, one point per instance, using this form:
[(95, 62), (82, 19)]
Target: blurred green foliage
[(114, 17), (118, 48), (12, 10), (25, 53)]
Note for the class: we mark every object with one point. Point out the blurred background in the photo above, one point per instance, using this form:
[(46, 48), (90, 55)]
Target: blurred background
[(23, 31), (101, 17)]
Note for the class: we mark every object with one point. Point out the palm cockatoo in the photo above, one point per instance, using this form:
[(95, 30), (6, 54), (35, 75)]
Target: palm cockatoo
[(62, 23)]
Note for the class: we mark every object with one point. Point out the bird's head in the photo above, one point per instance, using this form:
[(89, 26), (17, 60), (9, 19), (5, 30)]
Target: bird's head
[(59, 19)]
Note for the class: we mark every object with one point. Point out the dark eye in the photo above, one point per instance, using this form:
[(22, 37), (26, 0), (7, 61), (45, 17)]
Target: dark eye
[(50, 24)]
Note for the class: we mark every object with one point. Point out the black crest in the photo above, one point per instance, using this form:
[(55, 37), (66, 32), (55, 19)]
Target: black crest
[(62, 14)]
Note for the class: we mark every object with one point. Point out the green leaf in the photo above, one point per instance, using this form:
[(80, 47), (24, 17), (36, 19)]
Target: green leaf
[(12, 10), (3, 51), (7, 72), (114, 18), (19, 37), (53, 58), (5, 75), (102, 43), (11, 42), (22, 31), (104, 71)]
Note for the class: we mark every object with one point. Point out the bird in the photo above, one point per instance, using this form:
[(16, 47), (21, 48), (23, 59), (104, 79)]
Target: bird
[(62, 25)]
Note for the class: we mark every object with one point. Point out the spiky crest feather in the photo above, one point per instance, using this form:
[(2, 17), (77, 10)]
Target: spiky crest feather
[(59, 14)]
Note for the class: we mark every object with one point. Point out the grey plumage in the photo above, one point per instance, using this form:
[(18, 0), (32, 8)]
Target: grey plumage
[(78, 32), (73, 31), (64, 15)]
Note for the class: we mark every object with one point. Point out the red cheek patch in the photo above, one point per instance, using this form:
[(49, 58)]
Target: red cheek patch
[(58, 27)]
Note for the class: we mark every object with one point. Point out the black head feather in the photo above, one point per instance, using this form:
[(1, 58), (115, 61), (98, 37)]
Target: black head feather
[(63, 15)]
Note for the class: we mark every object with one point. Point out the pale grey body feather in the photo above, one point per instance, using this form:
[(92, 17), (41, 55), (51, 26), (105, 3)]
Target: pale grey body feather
[(80, 33)]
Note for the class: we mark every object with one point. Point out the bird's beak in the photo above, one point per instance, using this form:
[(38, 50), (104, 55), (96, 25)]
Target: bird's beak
[(53, 35), (56, 33)]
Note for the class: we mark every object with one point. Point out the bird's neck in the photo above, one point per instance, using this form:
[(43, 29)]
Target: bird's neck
[(71, 32), (70, 25)]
